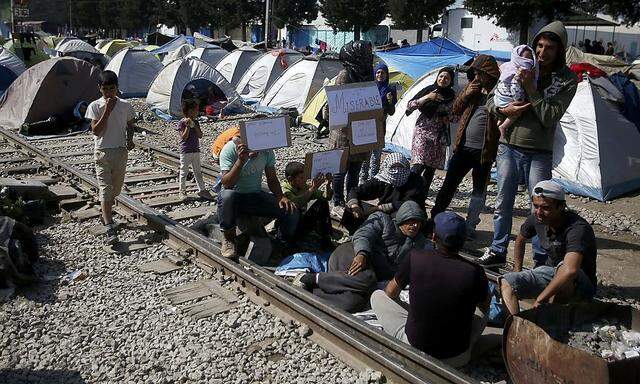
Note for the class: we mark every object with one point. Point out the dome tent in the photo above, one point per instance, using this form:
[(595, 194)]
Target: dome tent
[(80, 50), (236, 63), (35, 57), (114, 46), (10, 68), (165, 94), (210, 55), (177, 53), (264, 72), (52, 87), (136, 68), (299, 83)]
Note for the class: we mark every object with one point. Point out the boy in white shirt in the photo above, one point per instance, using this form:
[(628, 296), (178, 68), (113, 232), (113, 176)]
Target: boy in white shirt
[(112, 127)]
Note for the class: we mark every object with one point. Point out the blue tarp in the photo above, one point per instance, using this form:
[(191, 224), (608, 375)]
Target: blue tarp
[(171, 46), (416, 60)]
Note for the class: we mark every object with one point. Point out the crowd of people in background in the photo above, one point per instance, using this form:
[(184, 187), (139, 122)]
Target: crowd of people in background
[(394, 244)]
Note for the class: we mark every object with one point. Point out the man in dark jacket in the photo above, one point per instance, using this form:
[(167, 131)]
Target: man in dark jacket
[(529, 143), (374, 254), (476, 141)]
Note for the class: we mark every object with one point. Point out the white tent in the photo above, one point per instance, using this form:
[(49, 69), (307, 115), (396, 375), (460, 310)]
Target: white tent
[(165, 94), (596, 152), (236, 63), (210, 55), (177, 53), (73, 46), (400, 127), (136, 68), (10, 68), (264, 72), (298, 84)]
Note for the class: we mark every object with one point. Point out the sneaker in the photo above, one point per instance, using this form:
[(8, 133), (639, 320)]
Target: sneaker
[(492, 259), (111, 235), (204, 194), (228, 249)]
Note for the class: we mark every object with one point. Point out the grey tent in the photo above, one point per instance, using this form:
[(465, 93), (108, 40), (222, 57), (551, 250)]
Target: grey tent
[(235, 64), (177, 53), (210, 55), (264, 72), (136, 68), (81, 50), (54, 86), (10, 68)]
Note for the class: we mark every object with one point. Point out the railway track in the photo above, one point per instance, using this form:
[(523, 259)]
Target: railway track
[(151, 198)]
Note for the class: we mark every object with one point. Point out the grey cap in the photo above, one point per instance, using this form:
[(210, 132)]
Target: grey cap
[(550, 189)]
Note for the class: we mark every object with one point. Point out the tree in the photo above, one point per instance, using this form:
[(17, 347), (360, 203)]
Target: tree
[(519, 14), (417, 14), (139, 14), (293, 12), (627, 10), (191, 14), (353, 15)]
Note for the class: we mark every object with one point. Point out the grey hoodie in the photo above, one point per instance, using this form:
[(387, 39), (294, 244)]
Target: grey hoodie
[(535, 129)]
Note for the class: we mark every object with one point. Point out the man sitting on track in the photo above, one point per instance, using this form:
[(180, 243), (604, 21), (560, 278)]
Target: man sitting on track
[(242, 193), (570, 272), (444, 292)]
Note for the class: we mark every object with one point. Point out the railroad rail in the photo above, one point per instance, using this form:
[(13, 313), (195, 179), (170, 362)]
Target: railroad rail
[(344, 335)]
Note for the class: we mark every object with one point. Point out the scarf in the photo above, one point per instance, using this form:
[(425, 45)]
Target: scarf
[(357, 58), (509, 69), (383, 86), (395, 170), (448, 94)]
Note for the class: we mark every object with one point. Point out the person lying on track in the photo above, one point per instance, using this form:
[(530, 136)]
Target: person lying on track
[(373, 255), (448, 296), (568, 239), (242, 193), (112, 127)]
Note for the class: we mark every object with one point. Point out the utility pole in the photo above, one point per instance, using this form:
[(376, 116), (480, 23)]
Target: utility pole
[(70, 19), (13, 20), (266, 25)]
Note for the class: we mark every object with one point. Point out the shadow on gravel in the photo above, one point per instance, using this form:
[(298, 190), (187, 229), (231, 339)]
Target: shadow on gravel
[(616, 244), (618, 292), (24, 376), (44, 290)]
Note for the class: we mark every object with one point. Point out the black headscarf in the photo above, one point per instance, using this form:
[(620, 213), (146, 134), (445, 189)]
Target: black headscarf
[(357, 58), (448, 94)]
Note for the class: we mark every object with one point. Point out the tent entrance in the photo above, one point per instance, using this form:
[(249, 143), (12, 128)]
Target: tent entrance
[(211, 98)]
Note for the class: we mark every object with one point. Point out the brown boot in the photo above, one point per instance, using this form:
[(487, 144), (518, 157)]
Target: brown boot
[(228, 248)]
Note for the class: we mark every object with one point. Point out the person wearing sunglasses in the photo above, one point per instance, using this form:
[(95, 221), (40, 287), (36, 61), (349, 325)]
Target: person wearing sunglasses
[(569, 273)]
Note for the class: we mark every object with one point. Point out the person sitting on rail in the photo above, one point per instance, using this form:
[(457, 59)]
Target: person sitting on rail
[(311, 201), (392, 186), (568, 239), (374, 253), (112, 127), (190, 134), (448, 296), (242, 193)]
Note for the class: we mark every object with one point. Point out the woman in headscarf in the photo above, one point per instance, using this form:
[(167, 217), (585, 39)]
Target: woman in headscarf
[(431, 134), (392, 186), (357, 58), (389, 97)]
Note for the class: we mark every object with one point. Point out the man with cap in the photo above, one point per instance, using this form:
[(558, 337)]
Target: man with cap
[(570, 270), (528, 145), (476, 142), (445, 291), (376, 250)]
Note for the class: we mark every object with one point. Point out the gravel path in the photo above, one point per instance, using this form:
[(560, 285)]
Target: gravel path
[(115, 326)]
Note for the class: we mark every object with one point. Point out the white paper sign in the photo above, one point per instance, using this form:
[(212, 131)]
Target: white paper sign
[(344, 99), (326, 162), (364, 132), (266, 133)]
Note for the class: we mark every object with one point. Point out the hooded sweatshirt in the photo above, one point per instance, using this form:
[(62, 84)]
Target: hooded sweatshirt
[(535, 128)]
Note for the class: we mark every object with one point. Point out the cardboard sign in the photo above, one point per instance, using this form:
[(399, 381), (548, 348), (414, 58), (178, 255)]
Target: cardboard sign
[(366, 131), (269, 133), (333, 161), (348, 98)]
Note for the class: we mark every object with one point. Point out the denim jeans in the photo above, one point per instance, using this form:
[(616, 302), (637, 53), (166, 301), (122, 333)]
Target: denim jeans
[(464, 160), (536, 167), (352, 173), (261, 204)]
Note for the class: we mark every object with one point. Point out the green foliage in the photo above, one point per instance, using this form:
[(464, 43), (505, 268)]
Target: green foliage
[(293, 12), (347, 15), (626, 10), (417, 14)]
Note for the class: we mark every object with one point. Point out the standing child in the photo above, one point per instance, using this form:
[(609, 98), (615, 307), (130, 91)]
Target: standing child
[(509, 88), (190, 135), (111, 121), (312, 203)]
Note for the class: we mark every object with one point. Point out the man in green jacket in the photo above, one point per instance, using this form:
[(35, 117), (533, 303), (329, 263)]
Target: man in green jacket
[(529, 143)]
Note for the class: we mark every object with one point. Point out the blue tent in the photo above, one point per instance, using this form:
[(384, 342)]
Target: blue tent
[(416, 60), (172, 45)]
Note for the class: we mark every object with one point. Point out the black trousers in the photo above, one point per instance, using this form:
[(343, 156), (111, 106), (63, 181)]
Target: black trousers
[(316, 217), (464, 160), (349, 293)]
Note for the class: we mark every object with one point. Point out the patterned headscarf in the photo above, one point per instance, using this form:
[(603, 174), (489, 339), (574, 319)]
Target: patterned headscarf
[(395, 170)]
